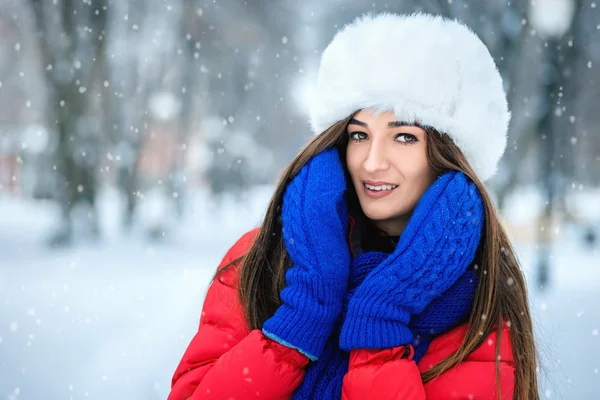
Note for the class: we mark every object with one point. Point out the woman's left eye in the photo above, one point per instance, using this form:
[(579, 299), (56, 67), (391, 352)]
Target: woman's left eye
[(406, 138)]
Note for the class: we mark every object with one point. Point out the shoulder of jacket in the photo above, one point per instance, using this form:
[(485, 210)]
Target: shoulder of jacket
[(445, 345), (240, 247), (487, 350)]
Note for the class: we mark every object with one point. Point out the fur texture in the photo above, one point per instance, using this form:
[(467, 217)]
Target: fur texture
[(424, 68)]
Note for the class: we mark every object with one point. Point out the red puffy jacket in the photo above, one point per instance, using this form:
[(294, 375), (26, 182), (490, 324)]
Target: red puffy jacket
[(225, 360)]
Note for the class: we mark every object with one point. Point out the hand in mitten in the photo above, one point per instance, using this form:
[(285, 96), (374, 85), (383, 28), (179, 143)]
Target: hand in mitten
[(315, 222), (437, 246)]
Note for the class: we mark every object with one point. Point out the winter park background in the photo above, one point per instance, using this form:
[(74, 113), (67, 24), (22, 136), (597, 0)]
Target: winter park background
[(140, 138)]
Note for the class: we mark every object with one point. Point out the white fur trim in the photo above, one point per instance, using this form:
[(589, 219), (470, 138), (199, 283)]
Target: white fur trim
[(425, 68)]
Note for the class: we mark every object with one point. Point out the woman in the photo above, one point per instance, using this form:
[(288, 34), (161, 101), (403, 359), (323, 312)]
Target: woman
[(381, 269)]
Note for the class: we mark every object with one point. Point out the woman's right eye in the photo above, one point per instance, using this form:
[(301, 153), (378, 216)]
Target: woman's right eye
[(357, 136)]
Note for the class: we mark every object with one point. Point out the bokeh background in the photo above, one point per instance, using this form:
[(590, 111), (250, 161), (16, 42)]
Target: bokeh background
[(140, 138)]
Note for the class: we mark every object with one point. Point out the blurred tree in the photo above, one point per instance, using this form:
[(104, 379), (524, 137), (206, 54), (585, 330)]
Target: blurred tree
[(560, 55), (126, 97), (71, 36), (249, 93)]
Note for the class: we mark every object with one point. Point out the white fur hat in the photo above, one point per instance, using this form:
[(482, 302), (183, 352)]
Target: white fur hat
[(425, 68)]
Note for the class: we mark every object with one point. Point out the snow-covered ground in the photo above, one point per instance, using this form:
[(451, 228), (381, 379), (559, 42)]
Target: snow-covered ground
[(111, 319)]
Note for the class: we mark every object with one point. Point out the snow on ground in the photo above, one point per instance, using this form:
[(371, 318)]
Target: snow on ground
[(567, 322), (111, 319)]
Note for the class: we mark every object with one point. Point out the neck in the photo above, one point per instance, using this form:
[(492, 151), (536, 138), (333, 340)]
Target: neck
[(394, 226)]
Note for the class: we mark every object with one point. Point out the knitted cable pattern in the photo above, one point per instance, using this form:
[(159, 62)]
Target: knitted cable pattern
[(434, 250), (378, 300), (315, 221), (324, 378)]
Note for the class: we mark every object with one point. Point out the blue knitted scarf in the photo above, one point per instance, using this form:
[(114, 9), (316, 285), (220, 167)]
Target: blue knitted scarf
[(323, 379)]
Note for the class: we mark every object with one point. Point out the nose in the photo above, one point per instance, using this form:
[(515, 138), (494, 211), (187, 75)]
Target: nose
[(377, 158)]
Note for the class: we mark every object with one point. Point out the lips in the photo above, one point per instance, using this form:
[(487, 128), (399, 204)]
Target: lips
[(378, 189)]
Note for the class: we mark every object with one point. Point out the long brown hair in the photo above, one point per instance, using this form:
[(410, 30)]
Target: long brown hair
[(501, 293)]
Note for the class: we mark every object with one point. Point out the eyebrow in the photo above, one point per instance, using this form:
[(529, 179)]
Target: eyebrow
[(393, 124)]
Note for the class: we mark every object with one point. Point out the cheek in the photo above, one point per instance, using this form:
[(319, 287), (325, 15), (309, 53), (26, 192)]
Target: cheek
[(353, 162), (412, 162), (417, 174)]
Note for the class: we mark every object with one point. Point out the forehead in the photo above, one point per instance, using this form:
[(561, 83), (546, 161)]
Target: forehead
[(375, 120), (366, 113)]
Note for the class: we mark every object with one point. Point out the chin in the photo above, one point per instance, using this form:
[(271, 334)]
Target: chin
[(379, 215)]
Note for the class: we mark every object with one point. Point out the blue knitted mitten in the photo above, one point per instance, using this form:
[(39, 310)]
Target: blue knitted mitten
[(315, 224), (435, 249)]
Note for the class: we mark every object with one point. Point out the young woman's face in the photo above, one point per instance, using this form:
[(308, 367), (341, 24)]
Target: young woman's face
[(387, 161)]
